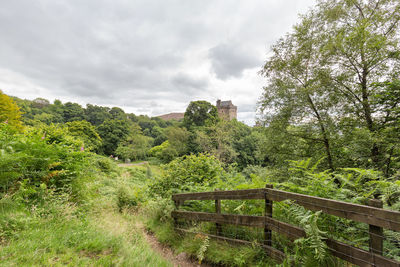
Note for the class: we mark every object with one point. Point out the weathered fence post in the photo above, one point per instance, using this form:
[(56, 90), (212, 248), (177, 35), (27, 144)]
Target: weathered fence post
[(218, 210), (375, 232), (177, 204), (268, 213)]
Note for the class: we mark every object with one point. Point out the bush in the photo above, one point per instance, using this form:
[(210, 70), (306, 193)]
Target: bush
[(29, 159), (106, 165), (125, 199), (188, 173)]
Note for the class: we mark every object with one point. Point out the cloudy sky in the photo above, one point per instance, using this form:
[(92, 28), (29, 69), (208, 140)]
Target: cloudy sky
[(145, 56)]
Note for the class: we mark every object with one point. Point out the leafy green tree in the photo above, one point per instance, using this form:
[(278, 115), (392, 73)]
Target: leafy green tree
[(136, 147), (362, 48), (216, 140), (322, 76), (73, 112), (250, 149), (57, 111), (296, 91), (96, 115), (86, 132), (9, 112), (388, 98), (159, 135), (113, 132), (200, 113), (146, 124), (44, 117), (177, 138), (188, 173), (117, 114), (164, 152), (232, 141)]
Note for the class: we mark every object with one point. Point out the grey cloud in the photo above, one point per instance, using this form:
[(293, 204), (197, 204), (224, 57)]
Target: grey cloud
[(190, 83), (229, 60), (130, 53)]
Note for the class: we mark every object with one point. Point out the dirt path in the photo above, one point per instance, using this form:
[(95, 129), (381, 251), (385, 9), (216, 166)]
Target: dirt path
[(127, 226), (119, 223), (180, 260)]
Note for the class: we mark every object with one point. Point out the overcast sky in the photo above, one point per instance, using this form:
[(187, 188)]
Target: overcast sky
[(145, 56)]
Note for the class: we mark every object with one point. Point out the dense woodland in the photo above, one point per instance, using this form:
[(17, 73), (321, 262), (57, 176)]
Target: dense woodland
[(328, 125)]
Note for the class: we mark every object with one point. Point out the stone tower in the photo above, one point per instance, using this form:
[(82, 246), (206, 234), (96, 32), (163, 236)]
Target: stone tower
[(226, 110)]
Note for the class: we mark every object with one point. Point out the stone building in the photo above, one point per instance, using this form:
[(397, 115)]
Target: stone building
[(226, 110)]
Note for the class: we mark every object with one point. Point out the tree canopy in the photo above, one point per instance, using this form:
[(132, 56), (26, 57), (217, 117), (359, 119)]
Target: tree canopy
[(200, 113), (324, 77), (9, 111)]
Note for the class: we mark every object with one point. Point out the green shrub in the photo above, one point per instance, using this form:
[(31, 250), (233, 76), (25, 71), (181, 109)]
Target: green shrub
[(188, 173), (125, 199), (30, 162), (105, 165)]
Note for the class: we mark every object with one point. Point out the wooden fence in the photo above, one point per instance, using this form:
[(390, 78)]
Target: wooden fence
[(373, 215)]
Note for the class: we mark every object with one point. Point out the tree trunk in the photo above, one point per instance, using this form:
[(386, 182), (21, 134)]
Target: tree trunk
[(323, 132), (368, 118)]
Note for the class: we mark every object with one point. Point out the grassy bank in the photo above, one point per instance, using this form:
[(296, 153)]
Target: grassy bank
[(56, 231)]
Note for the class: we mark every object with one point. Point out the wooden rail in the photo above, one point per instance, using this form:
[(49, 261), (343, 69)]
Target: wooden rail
[(373, 215), (359, 213)]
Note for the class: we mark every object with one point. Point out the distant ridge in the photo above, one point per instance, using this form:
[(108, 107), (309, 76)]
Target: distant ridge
[(172, 116)]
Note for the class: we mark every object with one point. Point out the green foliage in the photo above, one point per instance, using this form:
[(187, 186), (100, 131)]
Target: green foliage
[(310, 250), (325, 96), (135, 147), (96, 115), (177, 138), (230, 141), (105, 165), (9, 112), (57, 134), (113, 132), (125, 200), (86, 132), (117, 113), (203, 248), (188, 173), (33, 160), (73, 112), (200, 113)]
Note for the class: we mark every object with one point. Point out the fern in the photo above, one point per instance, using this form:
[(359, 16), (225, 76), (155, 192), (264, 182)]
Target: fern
[(203, 248), (311, 249)]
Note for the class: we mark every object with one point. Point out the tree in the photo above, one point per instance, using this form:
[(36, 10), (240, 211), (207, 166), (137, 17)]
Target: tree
[(146, 124), (73, 112), (9, 112), (86, 132), (136, 147), (113, 132), (200, 113), (96, 115), (389, 100), (164, 152), (362, 49), (177, 138), (322, 76), (117, 114), (296, 93), (158, 134)]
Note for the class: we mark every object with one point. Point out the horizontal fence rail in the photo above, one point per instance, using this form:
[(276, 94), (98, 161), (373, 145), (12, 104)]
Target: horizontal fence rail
[(359, 213), (375, 216)]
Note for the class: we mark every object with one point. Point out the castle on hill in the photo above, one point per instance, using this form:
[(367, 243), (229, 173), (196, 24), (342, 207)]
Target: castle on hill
[(226, 111)]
